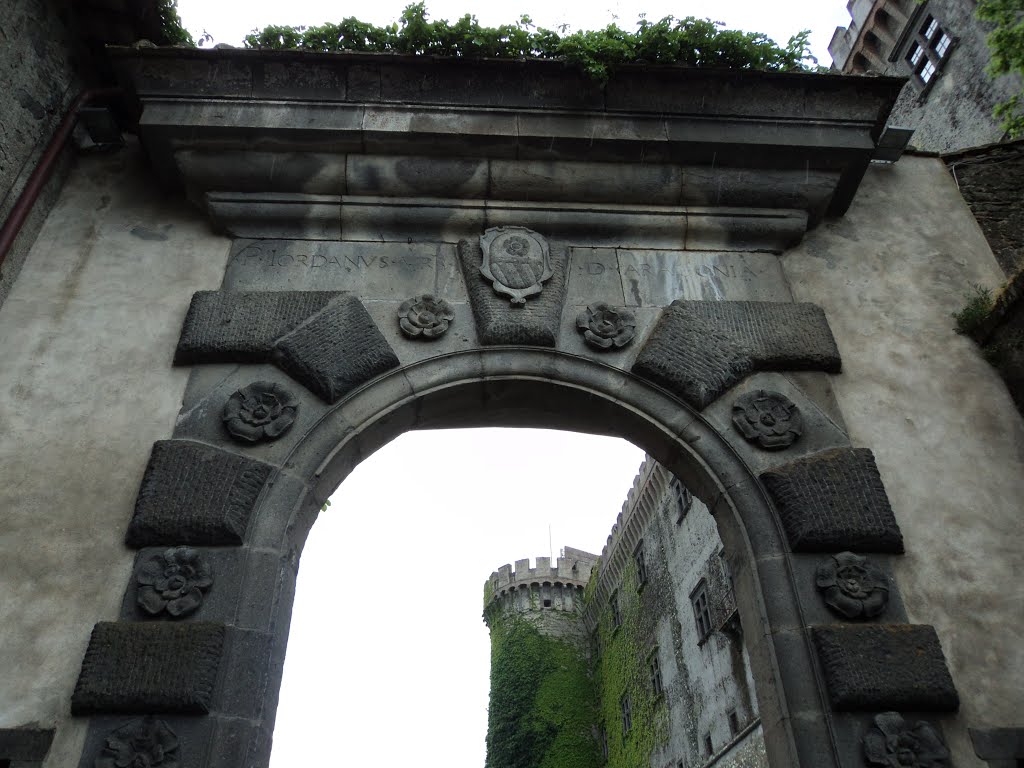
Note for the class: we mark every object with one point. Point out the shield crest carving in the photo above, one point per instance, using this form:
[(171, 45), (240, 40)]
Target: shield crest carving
[(516, 260)]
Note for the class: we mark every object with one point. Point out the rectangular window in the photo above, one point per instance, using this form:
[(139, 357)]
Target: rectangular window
[(927, 72), (683, 500), (929, 28), (734, 722), (616, 613), (641, 565), (930, 47), (604, 742), (654, 667), (627, 713), (709, 748), (701, 611)]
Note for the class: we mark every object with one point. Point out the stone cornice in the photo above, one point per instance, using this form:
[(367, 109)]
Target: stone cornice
[(321, 128)]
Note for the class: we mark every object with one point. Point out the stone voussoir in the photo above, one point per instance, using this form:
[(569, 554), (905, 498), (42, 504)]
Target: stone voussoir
[(874, 667), (193, 493), (699, 349), (144, 668), (834, 501)]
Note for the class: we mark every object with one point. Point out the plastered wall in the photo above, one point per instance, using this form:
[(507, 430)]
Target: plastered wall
[(88, 334), (948, 440)]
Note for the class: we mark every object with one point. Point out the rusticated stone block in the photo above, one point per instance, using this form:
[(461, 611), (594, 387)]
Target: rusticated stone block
[(226, 327), (834, 501), (149, 667), (193, 493), (699, 349), (885, 666), (535, 323), (334, 352)]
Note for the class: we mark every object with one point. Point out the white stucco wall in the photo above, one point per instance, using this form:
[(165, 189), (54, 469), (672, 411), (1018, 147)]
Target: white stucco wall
[(949, 443), (89, 330)]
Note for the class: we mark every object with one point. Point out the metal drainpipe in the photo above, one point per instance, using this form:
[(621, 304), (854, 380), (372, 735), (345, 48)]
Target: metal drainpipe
[(44, 168)]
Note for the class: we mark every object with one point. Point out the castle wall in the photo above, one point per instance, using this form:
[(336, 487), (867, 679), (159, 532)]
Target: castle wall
[(38, 70), (90, 328)]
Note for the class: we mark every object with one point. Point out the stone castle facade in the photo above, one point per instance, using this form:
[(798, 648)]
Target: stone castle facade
[(653, 623)]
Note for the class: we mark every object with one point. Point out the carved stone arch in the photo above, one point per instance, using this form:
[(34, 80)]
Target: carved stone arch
[(524, 355)]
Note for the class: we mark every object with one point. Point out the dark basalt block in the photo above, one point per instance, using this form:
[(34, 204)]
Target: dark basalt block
[(878, 667), (534, 324), (336, 350), (225, 327), (149, 667), (834, 501), (699, 349), (193, 493)]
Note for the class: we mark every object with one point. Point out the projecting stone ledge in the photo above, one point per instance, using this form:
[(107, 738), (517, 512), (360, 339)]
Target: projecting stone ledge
[(699, 349)]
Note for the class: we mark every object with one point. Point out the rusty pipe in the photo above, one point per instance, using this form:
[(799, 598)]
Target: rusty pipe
[(44, 168)]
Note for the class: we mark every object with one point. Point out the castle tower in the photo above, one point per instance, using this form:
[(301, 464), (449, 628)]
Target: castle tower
[(543, 698)]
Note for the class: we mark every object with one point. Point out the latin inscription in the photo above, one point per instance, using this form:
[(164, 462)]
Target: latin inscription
[(596, 269), (270, 256)]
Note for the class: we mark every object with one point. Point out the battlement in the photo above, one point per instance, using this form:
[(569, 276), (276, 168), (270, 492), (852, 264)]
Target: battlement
[(552, 586)]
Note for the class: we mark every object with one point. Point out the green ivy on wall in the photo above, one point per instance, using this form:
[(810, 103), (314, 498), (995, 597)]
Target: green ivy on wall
[(689, 41), (623, 668), (541, 712)]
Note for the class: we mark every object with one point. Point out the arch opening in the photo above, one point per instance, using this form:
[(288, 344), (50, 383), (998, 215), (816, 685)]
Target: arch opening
[(540, 388)]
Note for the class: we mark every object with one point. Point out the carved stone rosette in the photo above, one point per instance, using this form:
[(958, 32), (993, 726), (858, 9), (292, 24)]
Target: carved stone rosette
[(605, 327), (425, 317), (147, 742), (853, 586), (261, 411), (891, 743), (173, 582), (516, 260), (769, 419)]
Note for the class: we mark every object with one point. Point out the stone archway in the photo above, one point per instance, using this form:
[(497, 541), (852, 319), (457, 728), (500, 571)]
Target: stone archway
[(225, 665), (467, 291)]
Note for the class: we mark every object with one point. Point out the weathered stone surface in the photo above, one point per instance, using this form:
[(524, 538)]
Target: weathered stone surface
[(149, 667), (498, 322), (989, 180), (336, 350), (699, 349), (193, 493), (25, 744), (834, 501), (885, 666), (224, 327)]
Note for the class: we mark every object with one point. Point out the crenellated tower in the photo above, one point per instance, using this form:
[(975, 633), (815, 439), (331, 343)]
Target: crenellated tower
[(543, 704), (549, 596)]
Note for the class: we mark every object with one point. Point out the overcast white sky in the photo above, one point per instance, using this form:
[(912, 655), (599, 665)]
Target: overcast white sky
[(388, 657)]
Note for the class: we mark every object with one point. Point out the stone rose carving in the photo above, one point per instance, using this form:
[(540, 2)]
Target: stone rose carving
[(425, 317), (173, 582), (605, 327), (261, 411), (770, 419), (893, 744), (145, 743), (853, 586)]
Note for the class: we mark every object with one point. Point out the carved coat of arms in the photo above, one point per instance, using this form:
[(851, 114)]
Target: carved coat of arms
[(516, 261)]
